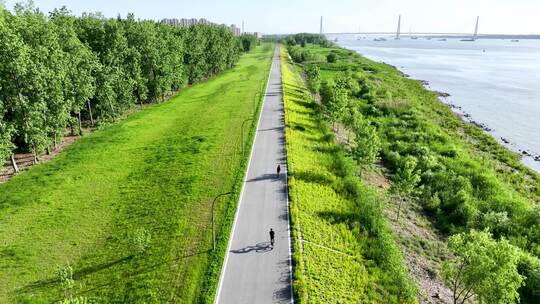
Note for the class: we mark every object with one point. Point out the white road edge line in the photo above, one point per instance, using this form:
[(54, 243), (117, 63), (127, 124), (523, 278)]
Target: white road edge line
[(223, 270), (286, 177)]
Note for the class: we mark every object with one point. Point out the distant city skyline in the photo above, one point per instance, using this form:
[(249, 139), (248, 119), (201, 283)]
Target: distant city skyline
[(290, 16)]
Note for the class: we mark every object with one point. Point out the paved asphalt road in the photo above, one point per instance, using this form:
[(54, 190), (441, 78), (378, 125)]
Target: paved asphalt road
[(253, 271)]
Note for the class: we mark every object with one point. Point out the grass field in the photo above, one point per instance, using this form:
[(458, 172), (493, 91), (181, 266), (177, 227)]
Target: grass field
[(157, 171), (348, 254)]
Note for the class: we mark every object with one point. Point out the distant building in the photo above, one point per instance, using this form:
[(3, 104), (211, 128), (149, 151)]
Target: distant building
[(235, 29), (173, 22), (185, 22), (259, 35)]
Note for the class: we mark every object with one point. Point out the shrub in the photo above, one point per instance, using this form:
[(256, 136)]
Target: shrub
[(331, 58), (313, 74), (65, 277), (140, 240), (77, 300), (529, 267), (248, 42), (432, 203)]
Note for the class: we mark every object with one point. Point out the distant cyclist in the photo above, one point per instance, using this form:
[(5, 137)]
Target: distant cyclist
[(278, 170), (271, 237)]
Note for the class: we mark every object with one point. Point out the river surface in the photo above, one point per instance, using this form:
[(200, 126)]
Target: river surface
[(493, 82)]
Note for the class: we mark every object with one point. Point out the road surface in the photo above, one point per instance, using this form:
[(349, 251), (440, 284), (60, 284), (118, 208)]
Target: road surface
[(254, 271)]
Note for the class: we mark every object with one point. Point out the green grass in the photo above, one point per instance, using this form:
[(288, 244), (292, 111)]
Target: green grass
[(349, 254), (159, 170)]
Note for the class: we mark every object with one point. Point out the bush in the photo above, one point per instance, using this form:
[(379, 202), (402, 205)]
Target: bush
[(65, 277), (529, 267), (300, 55), (313, 74), (140, 240), (248, 42), (331, 58)]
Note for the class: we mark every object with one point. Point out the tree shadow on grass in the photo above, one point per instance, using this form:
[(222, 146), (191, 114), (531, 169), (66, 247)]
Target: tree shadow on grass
[(327, 149), (84, 272), (297, 126), (76, 274), (313, 177), (294, 87), (336, 217), (132, 275), (305, 112)]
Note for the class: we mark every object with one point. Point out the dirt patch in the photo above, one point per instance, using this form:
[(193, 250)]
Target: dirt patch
[(343, 136), (423, 248), (26, 160), (376, 178)]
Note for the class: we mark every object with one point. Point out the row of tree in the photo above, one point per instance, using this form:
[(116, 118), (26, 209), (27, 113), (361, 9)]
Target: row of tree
[(304, 38), (58, 69)]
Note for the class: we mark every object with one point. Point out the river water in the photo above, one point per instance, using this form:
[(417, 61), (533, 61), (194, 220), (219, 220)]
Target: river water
[(493, 82)]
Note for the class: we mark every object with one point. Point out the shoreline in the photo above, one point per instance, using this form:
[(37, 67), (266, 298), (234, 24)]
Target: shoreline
[(527, 157)]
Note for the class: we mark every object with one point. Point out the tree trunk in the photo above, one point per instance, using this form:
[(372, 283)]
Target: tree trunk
[(35, 155), (79, 123), (55, 142), (112, 109), (90, 111), (399, 209), (139, 97), (72, 129), (14, 163)]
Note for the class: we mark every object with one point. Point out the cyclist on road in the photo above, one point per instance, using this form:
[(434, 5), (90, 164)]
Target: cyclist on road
[(278, 170), (271, 237)]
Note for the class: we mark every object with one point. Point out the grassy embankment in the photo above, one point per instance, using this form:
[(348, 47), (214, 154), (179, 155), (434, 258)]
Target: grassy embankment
[(347, 253), (158, 170), (467, 180)]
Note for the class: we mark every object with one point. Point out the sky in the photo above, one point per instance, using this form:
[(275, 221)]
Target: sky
[(291, 16)]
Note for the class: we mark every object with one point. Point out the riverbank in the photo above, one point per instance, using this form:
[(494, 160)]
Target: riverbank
[(492, 82), (461, 178)]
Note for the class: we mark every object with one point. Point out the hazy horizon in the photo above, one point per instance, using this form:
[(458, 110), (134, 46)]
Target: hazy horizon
[(281, 16)]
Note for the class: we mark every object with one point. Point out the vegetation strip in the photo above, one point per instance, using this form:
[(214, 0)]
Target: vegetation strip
[(336, 211), (123, 215)]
